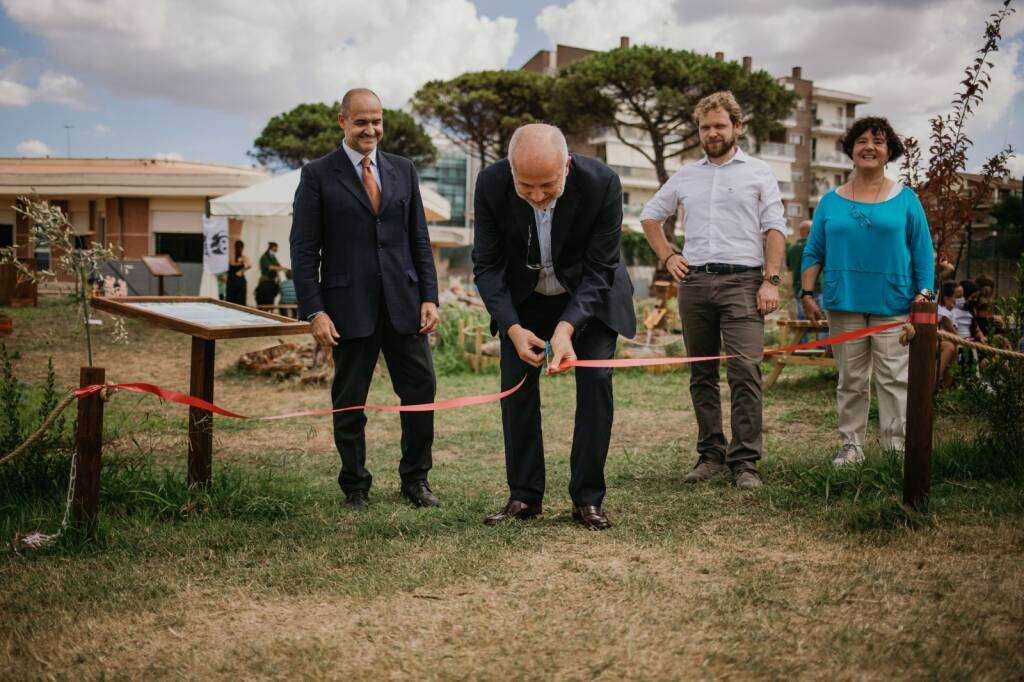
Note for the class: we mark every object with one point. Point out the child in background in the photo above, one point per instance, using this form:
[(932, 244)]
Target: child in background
[(287, 292)]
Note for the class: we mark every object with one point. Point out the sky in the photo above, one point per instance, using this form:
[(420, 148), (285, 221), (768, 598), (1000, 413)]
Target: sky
[(198, 80)]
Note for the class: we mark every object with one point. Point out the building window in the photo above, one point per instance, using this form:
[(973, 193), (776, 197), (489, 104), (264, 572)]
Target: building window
[(798, 176), (796, 138), (625, 198), (182, 247), (796, 210), (6, 235)]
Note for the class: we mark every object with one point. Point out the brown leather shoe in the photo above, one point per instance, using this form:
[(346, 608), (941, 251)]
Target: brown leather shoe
[(593, 518), (515, 509)]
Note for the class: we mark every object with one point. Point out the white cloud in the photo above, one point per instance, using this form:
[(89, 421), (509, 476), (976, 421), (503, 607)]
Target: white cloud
[(168, 156), (51, 86), (908, 56), (100, 130), (269, 57), (33, 148)]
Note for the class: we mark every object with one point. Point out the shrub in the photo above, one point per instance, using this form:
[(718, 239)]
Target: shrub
[(43, 468)]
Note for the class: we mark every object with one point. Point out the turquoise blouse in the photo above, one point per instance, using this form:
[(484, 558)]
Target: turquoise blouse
[(875, 257)]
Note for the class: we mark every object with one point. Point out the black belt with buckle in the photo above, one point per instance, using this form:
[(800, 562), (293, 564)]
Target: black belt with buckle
[(724, 268)]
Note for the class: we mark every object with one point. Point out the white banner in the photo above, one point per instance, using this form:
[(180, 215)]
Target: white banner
[(215, 244)]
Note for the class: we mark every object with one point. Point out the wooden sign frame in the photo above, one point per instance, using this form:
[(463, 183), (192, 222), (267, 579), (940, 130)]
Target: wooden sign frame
[(200, 421), (161, 265), (277, 324)]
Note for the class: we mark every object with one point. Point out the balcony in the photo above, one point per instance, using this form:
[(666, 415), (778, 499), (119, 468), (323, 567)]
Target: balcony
[(786, 189), (830, 125), (777, 150), (631, 212), (831, 159)]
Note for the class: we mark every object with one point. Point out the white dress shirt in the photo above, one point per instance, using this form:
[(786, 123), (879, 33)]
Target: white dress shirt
[(727, 209), (547, 283), (357, 160)]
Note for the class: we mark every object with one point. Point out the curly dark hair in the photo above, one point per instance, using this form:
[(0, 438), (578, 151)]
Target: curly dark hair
[(874, 124)]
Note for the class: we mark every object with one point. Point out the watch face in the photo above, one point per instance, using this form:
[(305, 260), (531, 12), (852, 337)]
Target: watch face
[(775, 279)]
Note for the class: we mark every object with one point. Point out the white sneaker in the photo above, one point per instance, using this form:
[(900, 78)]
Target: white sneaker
[(850, 453)]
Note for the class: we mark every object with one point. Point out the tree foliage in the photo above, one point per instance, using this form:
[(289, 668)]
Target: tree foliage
[(646, 96), (479, 110), (949, 201), (311, 130)]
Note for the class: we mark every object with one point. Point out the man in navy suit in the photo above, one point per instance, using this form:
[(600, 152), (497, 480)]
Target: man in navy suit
[(548, 265), (365, 279)]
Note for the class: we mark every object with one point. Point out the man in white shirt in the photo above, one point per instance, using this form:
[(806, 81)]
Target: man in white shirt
[(728, 276)]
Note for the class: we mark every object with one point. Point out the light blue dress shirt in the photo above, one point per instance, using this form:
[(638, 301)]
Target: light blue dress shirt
[(357, 160), (547, 283)]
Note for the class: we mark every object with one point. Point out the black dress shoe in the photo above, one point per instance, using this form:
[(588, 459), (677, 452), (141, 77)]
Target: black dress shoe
[(418, 492), (514, 509), (590, 517), (356, 501)]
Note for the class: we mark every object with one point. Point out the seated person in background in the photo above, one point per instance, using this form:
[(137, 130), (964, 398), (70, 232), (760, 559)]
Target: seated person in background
[(947, 349), (287, 294), (963, 318)]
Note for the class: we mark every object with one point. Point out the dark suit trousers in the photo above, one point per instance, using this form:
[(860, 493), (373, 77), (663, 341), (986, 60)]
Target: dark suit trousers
[(412, 376), (520, 412)]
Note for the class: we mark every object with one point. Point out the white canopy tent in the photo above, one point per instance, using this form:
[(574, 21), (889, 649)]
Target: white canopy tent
[(266, 210)]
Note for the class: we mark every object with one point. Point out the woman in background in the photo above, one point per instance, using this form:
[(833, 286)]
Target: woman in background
[(870, 238), (237, 266)]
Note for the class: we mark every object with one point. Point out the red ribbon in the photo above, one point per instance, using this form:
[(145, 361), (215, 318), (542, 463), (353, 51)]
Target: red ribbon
[(924, 318), (451, 403)]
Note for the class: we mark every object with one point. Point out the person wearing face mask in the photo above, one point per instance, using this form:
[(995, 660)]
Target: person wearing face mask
[(267, 288), (548, 265), (871, 238), (948, 295)]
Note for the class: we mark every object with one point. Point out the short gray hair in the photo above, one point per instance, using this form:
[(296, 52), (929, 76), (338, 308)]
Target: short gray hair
[(555, 137)]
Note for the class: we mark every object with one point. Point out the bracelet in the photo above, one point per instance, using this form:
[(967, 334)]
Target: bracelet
[(664, 263), (806, 292)]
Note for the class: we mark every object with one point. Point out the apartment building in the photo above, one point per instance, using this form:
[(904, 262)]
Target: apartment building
[(814, 131), (806, 157)]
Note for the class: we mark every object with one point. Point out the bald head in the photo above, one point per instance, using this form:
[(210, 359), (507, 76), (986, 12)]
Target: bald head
[(362, 119), (539, 157), (359, 97), (805, 228)]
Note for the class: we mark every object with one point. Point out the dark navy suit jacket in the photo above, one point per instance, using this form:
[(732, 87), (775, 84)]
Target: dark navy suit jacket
[(345, 257), (586, 239)]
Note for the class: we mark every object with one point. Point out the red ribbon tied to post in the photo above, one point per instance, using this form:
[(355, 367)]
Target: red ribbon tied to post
[(451, 403)]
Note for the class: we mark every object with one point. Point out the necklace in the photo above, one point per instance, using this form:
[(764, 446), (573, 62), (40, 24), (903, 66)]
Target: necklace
[(859, 216)]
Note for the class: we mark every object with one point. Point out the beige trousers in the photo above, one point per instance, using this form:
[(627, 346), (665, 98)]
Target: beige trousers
[(881, 355)]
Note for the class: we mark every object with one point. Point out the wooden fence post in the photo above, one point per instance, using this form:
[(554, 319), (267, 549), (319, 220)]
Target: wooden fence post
[(917, 461), (85, 497), (200, 422)]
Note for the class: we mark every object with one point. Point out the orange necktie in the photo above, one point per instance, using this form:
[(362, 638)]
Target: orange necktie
[(371, 185)]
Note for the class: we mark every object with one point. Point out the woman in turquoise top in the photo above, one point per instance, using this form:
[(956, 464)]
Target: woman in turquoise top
[(870, 237)]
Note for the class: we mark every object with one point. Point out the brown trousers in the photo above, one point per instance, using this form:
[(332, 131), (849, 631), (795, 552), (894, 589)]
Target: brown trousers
[(717, 308)]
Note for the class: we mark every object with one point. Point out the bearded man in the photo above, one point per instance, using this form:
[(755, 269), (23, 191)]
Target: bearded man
[(547, 262), (728, 275)]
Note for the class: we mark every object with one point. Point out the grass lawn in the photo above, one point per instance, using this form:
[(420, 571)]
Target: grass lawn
[(819, 574)]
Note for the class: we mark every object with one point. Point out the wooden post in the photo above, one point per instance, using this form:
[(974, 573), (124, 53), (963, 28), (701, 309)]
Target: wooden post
[(200, 422), (85, 498), (917, 461)]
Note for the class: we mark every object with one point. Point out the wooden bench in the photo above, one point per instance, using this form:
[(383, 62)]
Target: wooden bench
[(790, 332)]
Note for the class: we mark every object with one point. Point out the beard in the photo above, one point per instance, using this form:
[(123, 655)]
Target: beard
[(717, 150)]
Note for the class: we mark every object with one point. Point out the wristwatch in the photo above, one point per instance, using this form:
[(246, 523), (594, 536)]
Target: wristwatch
[(774, 280), (928, 294), (807, 292)]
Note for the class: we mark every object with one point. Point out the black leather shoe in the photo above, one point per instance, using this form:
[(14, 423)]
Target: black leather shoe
[(514, 509), (592, 518), (418, 492), (356, 501)]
